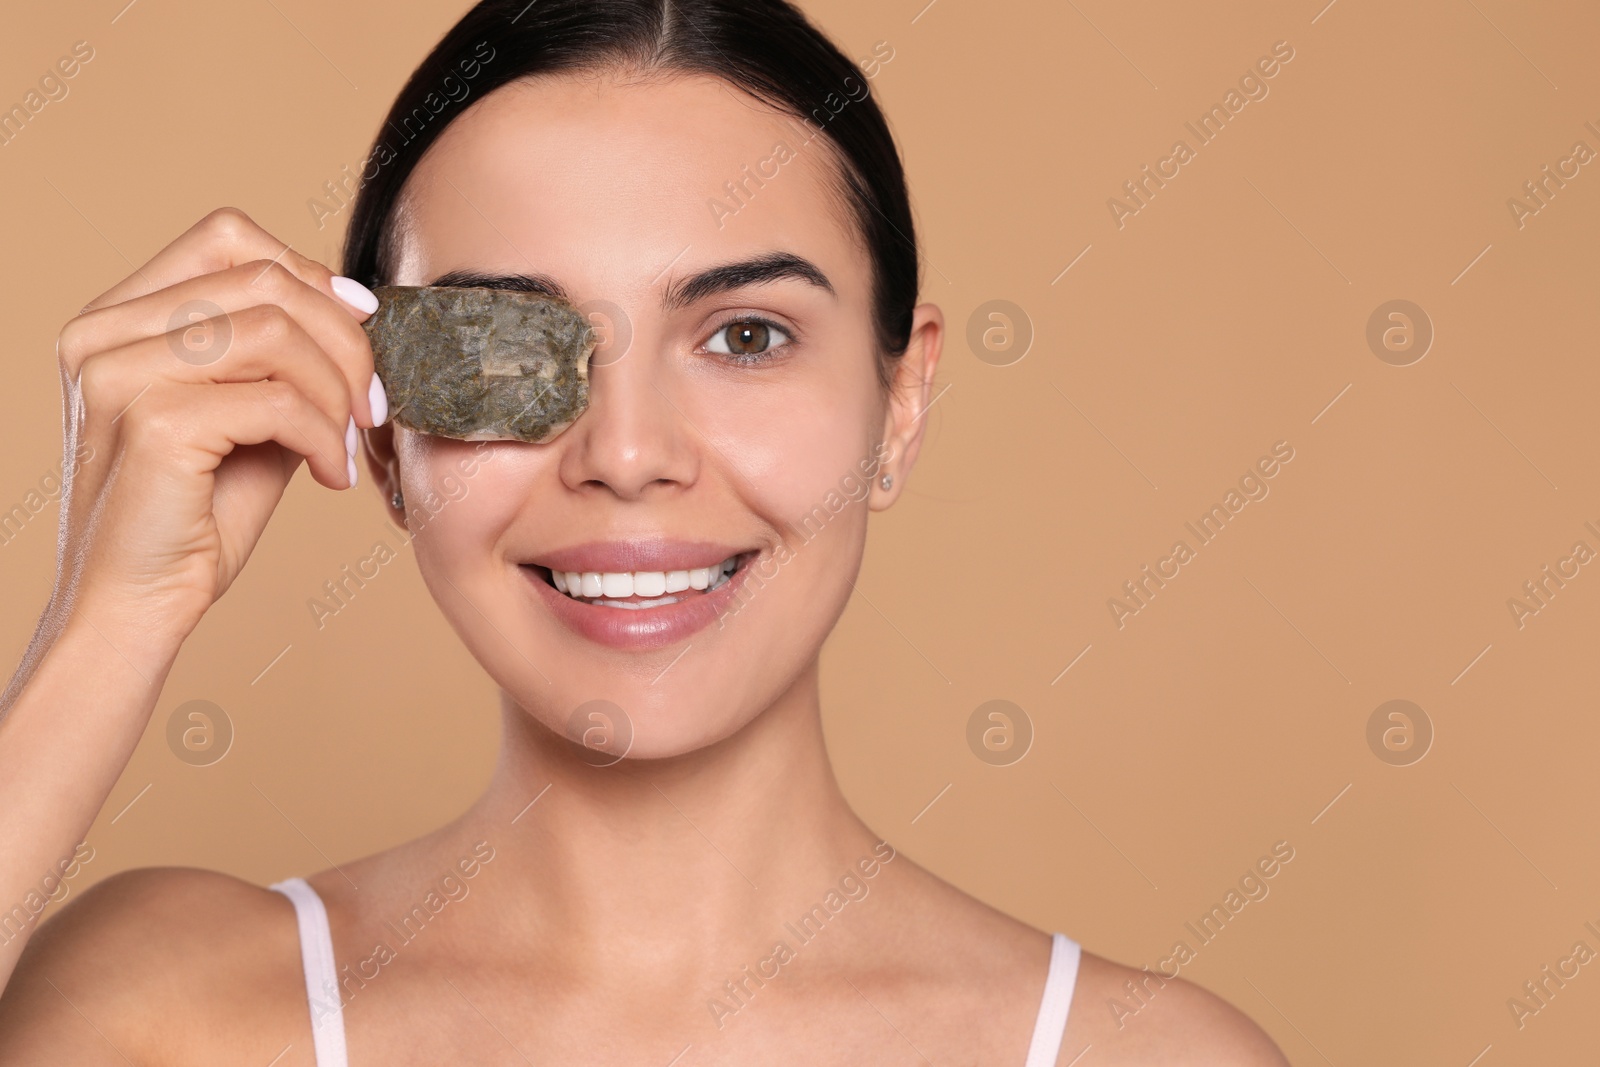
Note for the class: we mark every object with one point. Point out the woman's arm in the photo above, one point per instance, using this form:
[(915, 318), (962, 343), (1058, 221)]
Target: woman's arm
[(66, 737), (193, 389)]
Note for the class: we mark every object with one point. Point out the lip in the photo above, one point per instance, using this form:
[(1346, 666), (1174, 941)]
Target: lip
[(658, 554), (644, 628)]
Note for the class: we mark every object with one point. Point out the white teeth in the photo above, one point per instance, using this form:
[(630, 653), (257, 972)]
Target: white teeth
[(617, 587), (636, 604)]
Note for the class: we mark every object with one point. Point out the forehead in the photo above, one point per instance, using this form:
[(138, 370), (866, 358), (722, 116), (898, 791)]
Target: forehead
[(610, 182)]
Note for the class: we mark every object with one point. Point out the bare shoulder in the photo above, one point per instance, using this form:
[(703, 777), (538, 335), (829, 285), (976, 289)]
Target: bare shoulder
[(1140, 1017), (146, 965), (1127, 1016)]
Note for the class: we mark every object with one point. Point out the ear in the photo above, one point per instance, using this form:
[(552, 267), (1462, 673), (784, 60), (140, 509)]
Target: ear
[(910, 396), (383, 467)]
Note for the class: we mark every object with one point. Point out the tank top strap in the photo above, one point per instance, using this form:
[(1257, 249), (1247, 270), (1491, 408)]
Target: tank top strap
[(322, 978), (1051, 1024)]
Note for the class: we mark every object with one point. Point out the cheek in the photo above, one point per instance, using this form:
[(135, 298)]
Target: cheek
[(459, 496), (798, 445), (795, 438)]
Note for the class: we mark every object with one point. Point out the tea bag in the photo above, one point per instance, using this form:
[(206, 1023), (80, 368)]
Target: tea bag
[(481, 364)]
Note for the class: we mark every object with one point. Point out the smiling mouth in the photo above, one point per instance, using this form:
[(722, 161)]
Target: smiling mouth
[(638, 590)]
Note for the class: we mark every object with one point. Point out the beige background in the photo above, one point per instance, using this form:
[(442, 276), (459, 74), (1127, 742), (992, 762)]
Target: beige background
[(1224, 317)]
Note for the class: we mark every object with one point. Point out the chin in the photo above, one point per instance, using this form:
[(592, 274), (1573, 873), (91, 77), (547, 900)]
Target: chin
[(636, 721), (652, 649)]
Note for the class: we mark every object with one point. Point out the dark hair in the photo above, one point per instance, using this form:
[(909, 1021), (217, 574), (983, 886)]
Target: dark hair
[(766, 48)]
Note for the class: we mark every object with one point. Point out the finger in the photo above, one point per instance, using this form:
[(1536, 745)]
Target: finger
[(181, 311), (225, 238), (261, 342), (201, 424)]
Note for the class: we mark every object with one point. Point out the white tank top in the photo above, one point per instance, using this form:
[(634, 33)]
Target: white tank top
[(327, 1016)]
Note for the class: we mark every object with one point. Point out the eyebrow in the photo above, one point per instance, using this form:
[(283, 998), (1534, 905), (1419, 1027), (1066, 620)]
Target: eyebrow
[(758, 270), (770, 267), (522, 283)]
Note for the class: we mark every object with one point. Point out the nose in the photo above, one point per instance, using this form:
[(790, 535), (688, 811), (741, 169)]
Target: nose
[(632, 440)]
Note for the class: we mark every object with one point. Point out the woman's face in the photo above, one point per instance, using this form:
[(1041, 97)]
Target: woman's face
[(733, 414)]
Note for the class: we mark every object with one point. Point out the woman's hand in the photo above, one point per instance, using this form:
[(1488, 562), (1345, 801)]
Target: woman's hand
[(194, 388)]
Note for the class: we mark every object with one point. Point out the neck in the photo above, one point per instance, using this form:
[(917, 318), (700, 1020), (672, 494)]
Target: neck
[(729, 842)]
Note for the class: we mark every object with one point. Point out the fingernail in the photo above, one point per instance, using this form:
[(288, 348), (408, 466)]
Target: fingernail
[(355, 294), (350, 469), (350, 437), (379, 400)]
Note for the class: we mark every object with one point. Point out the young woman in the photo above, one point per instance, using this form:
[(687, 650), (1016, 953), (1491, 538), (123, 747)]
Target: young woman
[(663, 869)]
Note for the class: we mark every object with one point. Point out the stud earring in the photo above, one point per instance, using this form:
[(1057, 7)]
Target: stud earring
[(886, 481), (398, 501)]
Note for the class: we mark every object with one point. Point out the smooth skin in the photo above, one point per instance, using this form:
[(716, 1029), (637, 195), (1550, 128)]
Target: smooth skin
[(615, 908)]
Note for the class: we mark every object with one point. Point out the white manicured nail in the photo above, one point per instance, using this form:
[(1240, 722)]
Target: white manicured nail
[(355, 294), (350, 437), (350, 469), (379, 400)]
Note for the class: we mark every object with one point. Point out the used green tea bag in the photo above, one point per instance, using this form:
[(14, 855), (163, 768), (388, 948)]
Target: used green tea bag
[(481, 364)]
